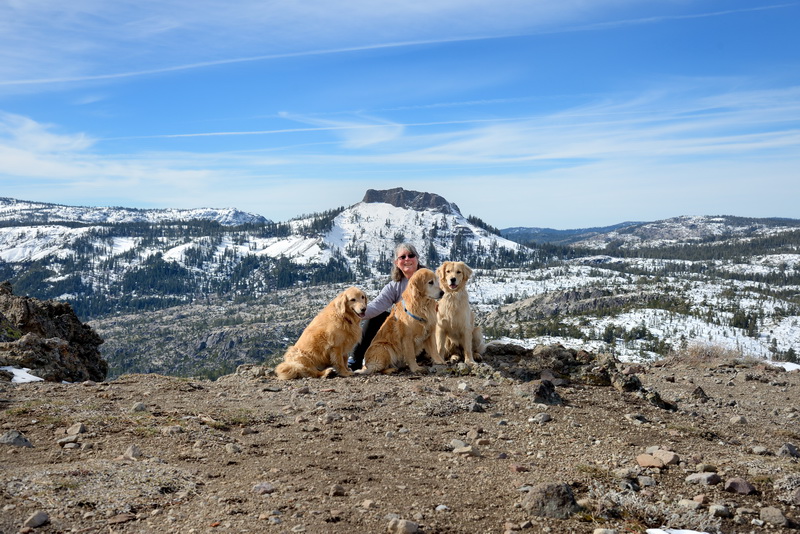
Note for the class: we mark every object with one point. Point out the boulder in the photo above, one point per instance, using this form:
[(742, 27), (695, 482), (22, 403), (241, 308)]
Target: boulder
[(551, 500), (49, 339)]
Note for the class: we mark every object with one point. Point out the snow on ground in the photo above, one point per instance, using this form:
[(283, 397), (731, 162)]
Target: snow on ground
[(20, 375)]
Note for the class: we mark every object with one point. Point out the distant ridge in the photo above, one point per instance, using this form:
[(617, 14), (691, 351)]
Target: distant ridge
[(42, 212), (525, 235)]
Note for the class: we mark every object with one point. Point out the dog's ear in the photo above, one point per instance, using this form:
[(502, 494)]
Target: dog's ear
[(442, 270), (340, 303), (467, 272), (422, 279)]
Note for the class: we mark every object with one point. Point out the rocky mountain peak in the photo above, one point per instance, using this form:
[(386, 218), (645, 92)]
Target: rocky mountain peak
[(414, 200)]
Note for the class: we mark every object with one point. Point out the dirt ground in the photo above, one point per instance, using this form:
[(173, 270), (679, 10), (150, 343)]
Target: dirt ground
[(452, 451)]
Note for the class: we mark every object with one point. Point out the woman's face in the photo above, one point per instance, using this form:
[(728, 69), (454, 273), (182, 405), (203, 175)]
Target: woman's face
[(407, 262)]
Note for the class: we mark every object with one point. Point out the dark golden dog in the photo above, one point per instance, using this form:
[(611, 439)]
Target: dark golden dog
[(455, 330), (409, 329), (323, 346)]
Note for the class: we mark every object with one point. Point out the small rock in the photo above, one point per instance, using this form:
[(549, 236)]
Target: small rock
[(708, 479), (469, 450), (719, 510), (232, 448), (540, 418), (740, 486), (551, 500), (171, 430), (706, 468), (133, 452), (402, 526), (646, 481), (442, 508), (789, 450), (36, 519), (668, 457), (699, 394), (773, 516), (760, 450), (138, 407), (647, 460), (636, 418), (796, 497), (263, 488), (77, 428), (337, 491), (518, 468), (68, 440), (689, 504), (457, 444), (738, 420), (546, 393), (604, 531), (15, 438)]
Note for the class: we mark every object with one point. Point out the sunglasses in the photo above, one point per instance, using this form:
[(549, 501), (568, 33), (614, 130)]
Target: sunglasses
[(409, 256)]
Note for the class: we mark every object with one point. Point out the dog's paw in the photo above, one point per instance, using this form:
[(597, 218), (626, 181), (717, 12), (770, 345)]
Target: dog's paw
[(330, 372)]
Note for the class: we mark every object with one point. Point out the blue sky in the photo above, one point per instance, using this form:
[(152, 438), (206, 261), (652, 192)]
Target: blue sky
[(562, 114)]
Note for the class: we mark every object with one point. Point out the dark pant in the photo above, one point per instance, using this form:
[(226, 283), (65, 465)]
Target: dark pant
[(370, 329)]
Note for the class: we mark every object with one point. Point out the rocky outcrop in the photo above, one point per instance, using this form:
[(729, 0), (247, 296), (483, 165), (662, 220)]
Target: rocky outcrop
[(48, 338), (414, 200), (576, 302)]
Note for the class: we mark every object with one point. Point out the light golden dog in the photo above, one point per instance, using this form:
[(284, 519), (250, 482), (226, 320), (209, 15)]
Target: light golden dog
[(322, 348), (455, 329), (408, 329)]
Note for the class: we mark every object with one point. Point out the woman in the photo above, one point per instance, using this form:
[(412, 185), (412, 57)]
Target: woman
[(406, 263)]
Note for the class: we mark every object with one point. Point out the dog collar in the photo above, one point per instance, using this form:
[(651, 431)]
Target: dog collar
[(420, 319)]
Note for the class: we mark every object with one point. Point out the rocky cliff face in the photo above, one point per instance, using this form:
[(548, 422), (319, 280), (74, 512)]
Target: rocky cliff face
[(48, 338), (414, 200)]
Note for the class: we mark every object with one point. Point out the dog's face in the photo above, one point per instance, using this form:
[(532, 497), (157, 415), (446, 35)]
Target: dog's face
[(352, 300), (453, 275), (425, 284)]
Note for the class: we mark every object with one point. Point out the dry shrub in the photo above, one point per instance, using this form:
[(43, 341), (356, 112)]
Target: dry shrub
[(711, 355)]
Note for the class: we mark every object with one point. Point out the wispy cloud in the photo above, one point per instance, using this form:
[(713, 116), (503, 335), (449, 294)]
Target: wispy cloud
[(89, 40), (653, 127)]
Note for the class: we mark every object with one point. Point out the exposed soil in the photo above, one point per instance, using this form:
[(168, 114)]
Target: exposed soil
[(249, 453)]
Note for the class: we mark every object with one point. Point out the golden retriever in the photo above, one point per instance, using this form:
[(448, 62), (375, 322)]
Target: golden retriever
[(455, 329), (322, 348), (408, 329)]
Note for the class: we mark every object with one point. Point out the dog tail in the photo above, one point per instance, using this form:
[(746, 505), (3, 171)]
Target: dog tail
[(478, 345), (292, 370)]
